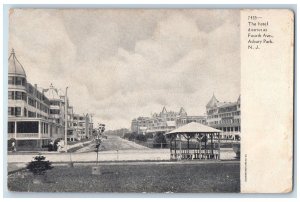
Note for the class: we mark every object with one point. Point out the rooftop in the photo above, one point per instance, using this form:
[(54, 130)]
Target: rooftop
[(14, 66)]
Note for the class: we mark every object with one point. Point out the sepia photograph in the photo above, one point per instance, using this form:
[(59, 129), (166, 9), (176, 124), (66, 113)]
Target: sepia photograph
[(124, 100)]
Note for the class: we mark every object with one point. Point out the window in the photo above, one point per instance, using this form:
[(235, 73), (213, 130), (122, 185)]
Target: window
[(18, 95), (31, 114), (11, 95), (11, 80), (24, 96), (18, 81), (31, 102), (11, 111), (11, 127), (23, 82), (18, 111), (54, 111), (25, 112), (28, 127), (14, 111)]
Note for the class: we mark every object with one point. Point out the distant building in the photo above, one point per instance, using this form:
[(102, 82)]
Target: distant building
[(225, 116), (164, 121), (82, 126), (57, 111)]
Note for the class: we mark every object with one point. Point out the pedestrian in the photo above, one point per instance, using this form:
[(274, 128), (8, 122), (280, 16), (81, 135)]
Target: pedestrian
[(13, 146), (51, 146)]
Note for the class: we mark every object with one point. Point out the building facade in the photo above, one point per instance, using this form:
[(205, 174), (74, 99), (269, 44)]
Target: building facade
[(225, 116), (36, 116), (164, 121), (83, 126), (29, 125)]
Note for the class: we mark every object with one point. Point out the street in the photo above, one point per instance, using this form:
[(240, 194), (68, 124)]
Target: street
[(113, 143), (112, 149)]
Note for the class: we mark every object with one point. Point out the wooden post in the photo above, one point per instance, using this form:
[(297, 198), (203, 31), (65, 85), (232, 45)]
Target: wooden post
[(205, 143), (219, 146), (180, 149), (175, 147), (200, 147), (171, 148), (211, 143), (188, 145)]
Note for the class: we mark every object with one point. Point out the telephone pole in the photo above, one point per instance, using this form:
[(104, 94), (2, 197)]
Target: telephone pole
[(66, 119)]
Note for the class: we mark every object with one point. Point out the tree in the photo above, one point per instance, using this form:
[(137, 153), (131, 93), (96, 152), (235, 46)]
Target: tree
[(159, 141), (149, 135), (141, 137)]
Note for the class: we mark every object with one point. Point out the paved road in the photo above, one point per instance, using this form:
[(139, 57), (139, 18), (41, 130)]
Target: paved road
[(112, 149), (113, 143)]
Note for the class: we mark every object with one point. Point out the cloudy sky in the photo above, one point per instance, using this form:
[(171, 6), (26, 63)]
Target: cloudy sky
[(121, 64)]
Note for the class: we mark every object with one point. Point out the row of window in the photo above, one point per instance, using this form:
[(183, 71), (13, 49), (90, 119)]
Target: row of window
[(54, 111), (35, 93), (225, 121), (24, 127), (17, 111), (228, 109), (230, 129), (55, 102), (79, 124), (32, 102), (17, 95), (81, 118), (27, 127), (14, 111), (14, 80)]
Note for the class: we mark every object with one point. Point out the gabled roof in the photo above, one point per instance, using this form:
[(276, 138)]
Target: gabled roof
[(14, 66), (164, 110), (213, 102), (182, 111), (194, 127)]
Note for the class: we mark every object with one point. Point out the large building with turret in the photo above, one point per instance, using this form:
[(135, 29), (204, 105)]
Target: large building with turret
[(29, 123), (36, 116)]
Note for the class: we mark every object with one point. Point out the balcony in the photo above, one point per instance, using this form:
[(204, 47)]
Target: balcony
[(11, 135), (27, 135)]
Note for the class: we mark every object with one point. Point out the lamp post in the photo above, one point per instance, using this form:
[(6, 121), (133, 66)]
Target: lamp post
[(66, 119)]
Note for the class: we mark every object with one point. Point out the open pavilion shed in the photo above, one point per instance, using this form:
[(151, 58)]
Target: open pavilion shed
[(194, 141)]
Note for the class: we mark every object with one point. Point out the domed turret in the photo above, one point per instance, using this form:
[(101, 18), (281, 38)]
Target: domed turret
[(14, 66)]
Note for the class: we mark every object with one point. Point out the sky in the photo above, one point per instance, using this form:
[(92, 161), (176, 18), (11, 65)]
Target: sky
[(124, 63)]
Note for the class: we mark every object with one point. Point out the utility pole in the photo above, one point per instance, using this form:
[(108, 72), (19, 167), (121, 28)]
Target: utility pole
[(66, 119)]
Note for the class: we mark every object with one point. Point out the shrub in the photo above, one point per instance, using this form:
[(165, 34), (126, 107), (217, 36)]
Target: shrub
[(126, 135), (131, 137), (39, 165)]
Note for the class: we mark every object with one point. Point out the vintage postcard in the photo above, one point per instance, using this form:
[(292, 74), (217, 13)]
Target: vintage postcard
[(150, 100)]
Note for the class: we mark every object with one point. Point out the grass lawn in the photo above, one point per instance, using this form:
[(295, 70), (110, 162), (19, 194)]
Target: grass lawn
[(178, 178)]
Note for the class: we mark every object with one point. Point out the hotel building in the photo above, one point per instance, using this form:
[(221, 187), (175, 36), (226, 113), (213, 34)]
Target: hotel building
[(36, 116), (225, 116), (29, 124), (164, 121)]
